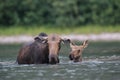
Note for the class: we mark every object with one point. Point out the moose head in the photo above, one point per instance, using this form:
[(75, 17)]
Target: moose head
[(76, 51), (53, 41)]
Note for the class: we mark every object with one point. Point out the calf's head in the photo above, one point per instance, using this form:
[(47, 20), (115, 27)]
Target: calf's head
[(76, 51)]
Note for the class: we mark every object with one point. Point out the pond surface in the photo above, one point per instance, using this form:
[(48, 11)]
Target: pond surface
[(101, 61)]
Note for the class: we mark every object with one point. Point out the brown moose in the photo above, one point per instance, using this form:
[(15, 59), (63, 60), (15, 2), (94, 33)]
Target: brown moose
[(45, 49), (76, 51), (34, 53)]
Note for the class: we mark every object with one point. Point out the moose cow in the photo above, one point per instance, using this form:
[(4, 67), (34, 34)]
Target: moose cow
[(76, 51), (34, 53), (45, 49)]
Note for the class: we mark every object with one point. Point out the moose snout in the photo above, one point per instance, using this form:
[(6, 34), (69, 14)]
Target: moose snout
[(53, 59), (71, 56), (75, 58)]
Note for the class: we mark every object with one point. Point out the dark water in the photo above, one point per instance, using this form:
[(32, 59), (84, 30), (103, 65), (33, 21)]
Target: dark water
[(101, 61)]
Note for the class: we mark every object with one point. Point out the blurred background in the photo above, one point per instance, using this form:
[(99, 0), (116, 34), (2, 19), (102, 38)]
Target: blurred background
[(59, 16)]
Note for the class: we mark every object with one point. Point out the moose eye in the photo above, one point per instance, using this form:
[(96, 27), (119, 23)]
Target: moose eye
[(78, 51)]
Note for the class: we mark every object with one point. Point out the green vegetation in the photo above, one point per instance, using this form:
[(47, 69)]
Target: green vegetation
[(19, 17), (59, 12), (35, 30)]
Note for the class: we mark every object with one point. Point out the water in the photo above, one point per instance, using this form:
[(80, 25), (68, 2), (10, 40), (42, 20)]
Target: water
[(87, 70), (101, 61)]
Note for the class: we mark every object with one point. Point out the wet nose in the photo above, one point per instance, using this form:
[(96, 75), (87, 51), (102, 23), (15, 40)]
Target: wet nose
[(53, 59), (71, 56)]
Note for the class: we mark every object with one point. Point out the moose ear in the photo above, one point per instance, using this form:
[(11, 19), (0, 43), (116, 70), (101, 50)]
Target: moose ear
[(85, 44), (40, 38), (72, 45), (44, 41), (36, 38), (62, 41), (66, 40)]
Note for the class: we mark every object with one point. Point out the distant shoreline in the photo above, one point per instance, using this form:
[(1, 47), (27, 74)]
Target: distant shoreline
[(80, 37)]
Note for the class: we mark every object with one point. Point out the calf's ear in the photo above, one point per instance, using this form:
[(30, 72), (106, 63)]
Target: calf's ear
[(72, 45), (85, 44)]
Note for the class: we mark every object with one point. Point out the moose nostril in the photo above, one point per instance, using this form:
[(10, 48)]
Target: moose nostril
[(53, 59), (71, 57)]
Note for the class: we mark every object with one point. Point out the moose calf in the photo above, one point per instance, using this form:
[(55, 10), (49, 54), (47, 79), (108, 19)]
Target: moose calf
[(76, 51)]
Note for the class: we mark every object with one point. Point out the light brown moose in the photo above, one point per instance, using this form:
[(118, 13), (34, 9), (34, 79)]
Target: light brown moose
[(76, 51)]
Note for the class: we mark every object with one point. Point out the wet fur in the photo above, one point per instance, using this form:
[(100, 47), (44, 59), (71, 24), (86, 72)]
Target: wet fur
[(54, 46), (35, 53), (76, 51)]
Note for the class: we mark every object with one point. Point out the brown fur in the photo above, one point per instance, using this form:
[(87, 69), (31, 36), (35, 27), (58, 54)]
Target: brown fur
[(34, 53), (54, 41), (76, 51), (42, 50)]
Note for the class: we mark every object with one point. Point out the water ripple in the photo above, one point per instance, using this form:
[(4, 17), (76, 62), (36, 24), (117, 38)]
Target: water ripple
[(89, 69)]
